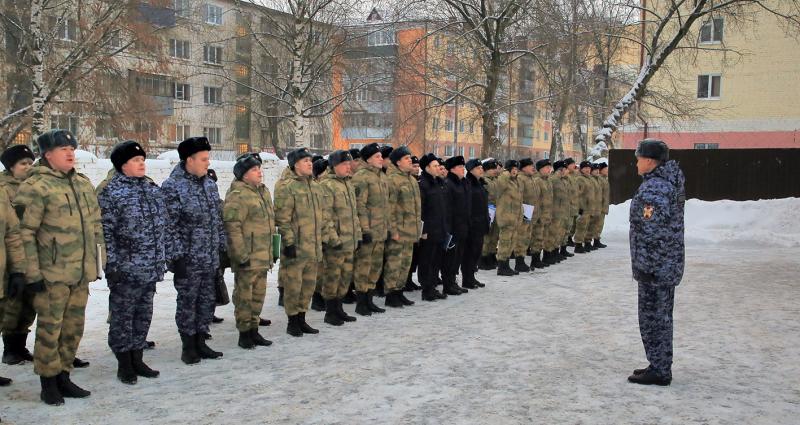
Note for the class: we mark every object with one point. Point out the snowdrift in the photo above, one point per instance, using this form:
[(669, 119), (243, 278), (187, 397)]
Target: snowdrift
[(764, 222)]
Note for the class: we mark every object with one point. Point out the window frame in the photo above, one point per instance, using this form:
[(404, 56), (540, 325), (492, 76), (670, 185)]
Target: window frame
[(208, 15), (710, 86)]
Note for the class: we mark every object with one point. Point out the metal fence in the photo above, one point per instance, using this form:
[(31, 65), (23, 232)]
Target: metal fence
[(714, 174)]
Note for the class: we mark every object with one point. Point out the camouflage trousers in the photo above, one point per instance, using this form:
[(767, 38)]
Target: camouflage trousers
[(131, 309), (506, 242), (523, 239), (299, 281), (398, 263), (368, 265), (596, 226), (582, 228), (338, 274), (556, 233), (538, 234), (196, 301), (655, 326), (61, 309), (491, 239), (573, 221), (249, 291), (19, 314)]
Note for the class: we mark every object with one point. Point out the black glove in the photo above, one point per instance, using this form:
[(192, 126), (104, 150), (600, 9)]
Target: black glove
[(35, 287), (337, 247), (179, 268), (580, 211), (245, 265), (16, 285), (366, 237), (388, 235), (224, 260), (113, 277), (290, 251)]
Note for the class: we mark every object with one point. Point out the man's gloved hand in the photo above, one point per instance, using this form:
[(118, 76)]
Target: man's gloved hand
[(16, 285), (366, 238), (179, 268), (35, 287), (245, 265), (290, 251), (224, 260), (113, 277)]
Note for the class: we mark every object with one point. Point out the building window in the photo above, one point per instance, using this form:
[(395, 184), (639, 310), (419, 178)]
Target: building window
[(103, 129), (182, 92), (182, 8), (212, 55), (317, 141), (472, 151), (381, 38), (115, 40), (461, 150), (213, 14), (448, 125), (471, 127), (435, 125), (214, 135), (708, 86), (182, 132), (546, 154), (448, 150), (65, 122), (546, 135), (212, 95), (66, 29), (461, 126), (437, 41), (711, 31), (180, 49), (706, 145)]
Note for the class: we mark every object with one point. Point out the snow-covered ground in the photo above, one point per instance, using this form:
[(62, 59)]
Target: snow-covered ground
[(549, 347)]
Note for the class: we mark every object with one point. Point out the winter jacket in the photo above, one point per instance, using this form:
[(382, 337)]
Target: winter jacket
[(656, 227), (531, 193), (249, 223), (195, 214), (560, 196), (372, 195), (10, 184), (546, 213), (61, 226), (404, 200), (12, 254), (344, 212), (479, 207), (586, 193), (435, 211), (572, 189), (509, 201), (460, 202), (136, 226), (597, 199), (606, 194), (300, 218)]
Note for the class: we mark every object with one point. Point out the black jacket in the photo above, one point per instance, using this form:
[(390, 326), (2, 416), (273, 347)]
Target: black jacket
[(459, 203), (435, 211), (479, 207)]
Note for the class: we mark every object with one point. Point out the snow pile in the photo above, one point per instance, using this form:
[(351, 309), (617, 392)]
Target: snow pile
[(84, 156), (170, 156), (764, 222), (267, 156)]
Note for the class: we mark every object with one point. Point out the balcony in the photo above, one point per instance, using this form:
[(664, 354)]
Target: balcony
[(157, 16)]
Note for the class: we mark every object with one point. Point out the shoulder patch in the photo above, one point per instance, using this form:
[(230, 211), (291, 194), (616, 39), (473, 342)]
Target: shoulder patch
[(648, 211)]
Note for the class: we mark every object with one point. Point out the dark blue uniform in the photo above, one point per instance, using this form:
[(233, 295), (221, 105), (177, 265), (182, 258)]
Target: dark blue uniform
[(136, 230), (195, 213), (657, 258)]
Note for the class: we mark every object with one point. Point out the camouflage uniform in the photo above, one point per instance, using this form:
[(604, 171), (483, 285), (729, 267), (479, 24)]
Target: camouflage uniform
[(249, 223), (19, 312), (300, 221), (490, 241), (572, 188), (560, 215), (139, 245), (596, 207), (657, 258), (100, 187), (286, 176), (372, 196), (195, 214), (599, 221), (61, 230), (406, 212), (12, 253), (545, 216), (509, 213), (531, 195), (586, 195), (339, 263)]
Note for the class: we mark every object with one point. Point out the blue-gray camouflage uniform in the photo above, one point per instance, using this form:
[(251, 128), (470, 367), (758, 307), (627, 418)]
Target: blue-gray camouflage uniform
[(138, 245), (657, 258), (195, 212)]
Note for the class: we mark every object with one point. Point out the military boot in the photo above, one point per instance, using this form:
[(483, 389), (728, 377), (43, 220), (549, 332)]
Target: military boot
[(549, 258), (429, 293), (140, 367), (450, 288), (579, 249), (503, 269), (566, 253), (125, 372), (79, 364), (68, 388), (649, 377), (305, 326), (589, 246), (4, 382), (331, 314), (343, 314), (204, 350), (484, 263), (362, 306), (350, 296), (403, 299), (246, 340), (10, 350), (317, 302), (392, 300), (519, 264), (372, 307), (50, 393), (536, 261), (264, 322), (598, 244), (259, 340), (280, 296), (379, 288), (189, 349), (293, 326)]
